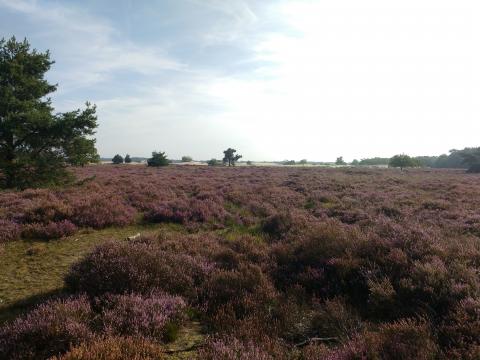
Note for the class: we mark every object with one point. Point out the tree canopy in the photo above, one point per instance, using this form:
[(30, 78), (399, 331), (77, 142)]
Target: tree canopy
[(230, 158), (471, 158), (128, 159), (117, 159), (37, 145), (158, 159), (340, 161), (186, 158), (402, 161)]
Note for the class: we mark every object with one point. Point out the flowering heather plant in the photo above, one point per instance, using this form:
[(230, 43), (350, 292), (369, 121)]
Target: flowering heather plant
[(46, 211), (51, 230), (149, 316), (48, 330), (122, 267), (99, 211), (233, 349), (183, 211), (116, 348), (9, 231)]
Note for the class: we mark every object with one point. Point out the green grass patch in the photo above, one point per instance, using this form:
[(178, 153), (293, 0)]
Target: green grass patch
[(32, 270)]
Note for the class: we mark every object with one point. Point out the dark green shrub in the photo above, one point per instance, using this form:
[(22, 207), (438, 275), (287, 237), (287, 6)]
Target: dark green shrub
[(158, 159)]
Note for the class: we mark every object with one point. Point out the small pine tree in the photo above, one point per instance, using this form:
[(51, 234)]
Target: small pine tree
[(128, 159), (186, 158), (117, 159), (158, 159)]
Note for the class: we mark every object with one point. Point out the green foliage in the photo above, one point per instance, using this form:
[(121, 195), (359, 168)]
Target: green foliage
[(303, 162), (471, 158), (453, 160), (289, 162), (117, 159), (36, 145), (374, 161), (128, 159), (230, 158), (355, 162), (186, 158), (158, 159), (402, 161), (214, 162), (249, 163), (340, 161)]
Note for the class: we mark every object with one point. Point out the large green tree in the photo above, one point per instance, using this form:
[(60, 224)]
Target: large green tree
[(230, 158), (402, 161), (36, 144)]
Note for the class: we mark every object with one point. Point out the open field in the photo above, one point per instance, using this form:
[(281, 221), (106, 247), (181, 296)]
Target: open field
[(269, 262)]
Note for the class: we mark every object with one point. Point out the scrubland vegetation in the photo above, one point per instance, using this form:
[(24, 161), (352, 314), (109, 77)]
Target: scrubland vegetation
[(273, 263)]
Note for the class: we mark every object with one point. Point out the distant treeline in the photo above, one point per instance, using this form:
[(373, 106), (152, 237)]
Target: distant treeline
[(454, 160)]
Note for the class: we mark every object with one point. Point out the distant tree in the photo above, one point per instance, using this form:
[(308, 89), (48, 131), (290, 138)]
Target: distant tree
[(453, 160), (186, 158), (402, 161), (230, 158), (128, 159), (376, 161), (117, 159), (340, 161), (158, 159), (36, 145), (303, 162), (249, 163), (355, 162), (289, 162), (426, 161), (213, 162), (471, 158)]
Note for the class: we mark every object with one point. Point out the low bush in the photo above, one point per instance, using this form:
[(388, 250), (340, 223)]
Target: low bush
[(47, 211), (48, 330), (234, 287), (277, 225), (335, 319), (234, 349), (9, 231), (125, 267), (403, 340), (101, 211), (460, 331), (116, 348), (185, 211), (52, 230), (149, 316)]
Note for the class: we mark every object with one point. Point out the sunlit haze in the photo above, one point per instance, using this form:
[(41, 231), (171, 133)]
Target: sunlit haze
[(274, 79)]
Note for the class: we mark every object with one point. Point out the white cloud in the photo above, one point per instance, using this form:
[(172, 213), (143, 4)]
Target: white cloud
[(90, 48)]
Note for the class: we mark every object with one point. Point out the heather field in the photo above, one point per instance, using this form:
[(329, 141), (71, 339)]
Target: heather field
[(242, 263)]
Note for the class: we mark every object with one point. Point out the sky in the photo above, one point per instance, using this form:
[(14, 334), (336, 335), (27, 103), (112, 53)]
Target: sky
[(274, 79)]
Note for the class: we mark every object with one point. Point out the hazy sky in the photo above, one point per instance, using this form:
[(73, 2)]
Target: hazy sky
[(276, 79)]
